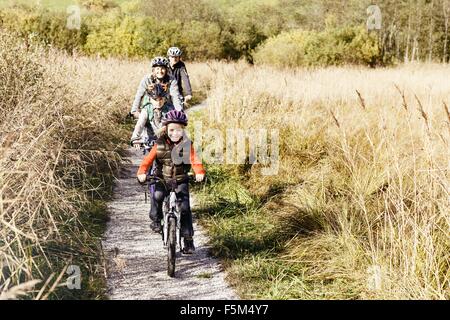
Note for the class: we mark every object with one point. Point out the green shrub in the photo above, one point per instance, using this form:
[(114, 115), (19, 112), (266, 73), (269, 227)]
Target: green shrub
[(333, 46), (44, 26), (202, 40), (113, 35), (98, 5), (155, 37), (122, 35)]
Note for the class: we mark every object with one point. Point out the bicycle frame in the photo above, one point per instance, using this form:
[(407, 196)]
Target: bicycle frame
[(170, 209), (171, 234)]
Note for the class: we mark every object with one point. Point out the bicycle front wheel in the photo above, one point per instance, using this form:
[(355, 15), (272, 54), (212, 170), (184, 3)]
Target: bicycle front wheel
[(171, 246)]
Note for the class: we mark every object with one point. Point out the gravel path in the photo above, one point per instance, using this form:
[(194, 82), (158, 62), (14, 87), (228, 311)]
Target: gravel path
[(136, 260)]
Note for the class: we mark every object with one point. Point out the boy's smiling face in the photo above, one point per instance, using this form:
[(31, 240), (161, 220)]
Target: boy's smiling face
[(158, 102), (175, 131)]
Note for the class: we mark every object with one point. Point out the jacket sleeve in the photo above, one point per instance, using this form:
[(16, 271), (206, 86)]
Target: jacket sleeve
[(176, 96), (148, 161), (196, 163), (186, 82), (139, 94), (140, 126)]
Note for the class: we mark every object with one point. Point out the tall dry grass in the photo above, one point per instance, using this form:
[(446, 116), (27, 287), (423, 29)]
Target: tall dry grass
[(62, 138), (60, 141), (363, 199)]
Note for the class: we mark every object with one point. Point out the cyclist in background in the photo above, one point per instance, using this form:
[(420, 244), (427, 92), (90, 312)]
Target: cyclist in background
[(177, 69), (159, 75), (155, 107)]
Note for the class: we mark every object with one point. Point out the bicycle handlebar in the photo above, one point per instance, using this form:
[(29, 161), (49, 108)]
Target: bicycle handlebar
[(142, 144), (152, 179)]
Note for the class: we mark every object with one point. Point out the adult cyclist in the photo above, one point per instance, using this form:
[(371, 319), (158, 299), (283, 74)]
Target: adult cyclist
[(160, 76)]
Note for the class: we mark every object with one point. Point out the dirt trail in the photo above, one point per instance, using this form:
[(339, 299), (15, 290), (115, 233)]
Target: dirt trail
[(136, 260)]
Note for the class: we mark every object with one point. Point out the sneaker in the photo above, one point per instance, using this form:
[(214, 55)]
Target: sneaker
[(156, 226), (188, 247)]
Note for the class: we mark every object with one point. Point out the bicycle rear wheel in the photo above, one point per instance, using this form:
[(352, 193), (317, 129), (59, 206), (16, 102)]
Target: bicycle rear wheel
[(171, 246)]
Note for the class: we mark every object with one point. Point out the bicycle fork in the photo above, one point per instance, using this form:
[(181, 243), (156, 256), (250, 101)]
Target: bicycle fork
[(171, 213)]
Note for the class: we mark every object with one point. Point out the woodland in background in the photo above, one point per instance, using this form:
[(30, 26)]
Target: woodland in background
[(279, 32)]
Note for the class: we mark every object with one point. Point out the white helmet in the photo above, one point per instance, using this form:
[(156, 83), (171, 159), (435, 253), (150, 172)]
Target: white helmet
[(174, 52)]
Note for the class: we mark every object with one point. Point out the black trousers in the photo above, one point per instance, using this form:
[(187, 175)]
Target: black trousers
[(182, 192)]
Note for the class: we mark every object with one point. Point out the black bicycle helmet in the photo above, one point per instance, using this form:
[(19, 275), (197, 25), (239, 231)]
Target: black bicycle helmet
[(160, 62)]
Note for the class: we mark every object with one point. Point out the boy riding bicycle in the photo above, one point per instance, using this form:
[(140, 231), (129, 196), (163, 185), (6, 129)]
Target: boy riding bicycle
[(174, 156), (155, 107)]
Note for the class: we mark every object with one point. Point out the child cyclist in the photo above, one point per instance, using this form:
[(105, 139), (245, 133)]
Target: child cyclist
[(173, 143), (149, 124), (159, 75), (177, 69)]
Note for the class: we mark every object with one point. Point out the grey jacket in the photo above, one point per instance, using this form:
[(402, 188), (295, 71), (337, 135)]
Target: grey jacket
[(176, 97), (179, 73)]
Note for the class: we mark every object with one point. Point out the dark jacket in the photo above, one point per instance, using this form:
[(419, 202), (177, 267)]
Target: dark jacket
[(179, 73), (166, 168), (173, 160)]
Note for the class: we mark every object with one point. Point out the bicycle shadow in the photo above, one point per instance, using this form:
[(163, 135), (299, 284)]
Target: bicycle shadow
[(189, 265)]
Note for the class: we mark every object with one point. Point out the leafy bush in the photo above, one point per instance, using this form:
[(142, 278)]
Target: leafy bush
[(43, 25), (113, 35), (122, 35), (202, 40), (334, 46), (97, 4)]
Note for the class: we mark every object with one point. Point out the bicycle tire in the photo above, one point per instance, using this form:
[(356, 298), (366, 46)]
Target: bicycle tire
[(171, 247)]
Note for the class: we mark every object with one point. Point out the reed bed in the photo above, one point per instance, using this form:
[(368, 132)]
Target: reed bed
[(360, 207), (63, 135)]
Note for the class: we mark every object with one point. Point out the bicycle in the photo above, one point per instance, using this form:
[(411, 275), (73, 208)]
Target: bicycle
[(144, 145), (171, 231)]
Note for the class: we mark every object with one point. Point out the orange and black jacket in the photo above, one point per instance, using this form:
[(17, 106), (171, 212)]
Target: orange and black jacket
[(163, 151)]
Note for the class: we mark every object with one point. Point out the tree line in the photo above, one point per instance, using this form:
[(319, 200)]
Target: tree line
[(314, 32)]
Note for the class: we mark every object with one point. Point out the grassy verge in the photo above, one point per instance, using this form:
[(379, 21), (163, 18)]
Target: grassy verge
[(250, 240), (60, 147), (246, 238), (359, 207)]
